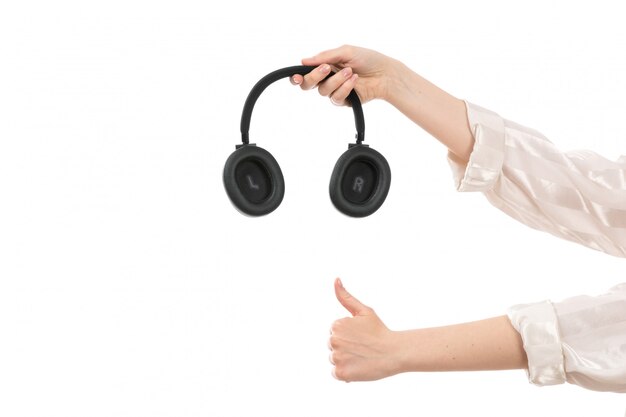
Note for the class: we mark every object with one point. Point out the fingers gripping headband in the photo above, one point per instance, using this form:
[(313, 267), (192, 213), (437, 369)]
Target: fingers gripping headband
[(254, 182), (270, 78)]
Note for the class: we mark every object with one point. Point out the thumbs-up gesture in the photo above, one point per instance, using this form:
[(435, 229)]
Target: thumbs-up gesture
[(362, 347)]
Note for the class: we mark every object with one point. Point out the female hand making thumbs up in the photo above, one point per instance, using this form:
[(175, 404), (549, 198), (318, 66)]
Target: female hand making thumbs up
[(364, 349)]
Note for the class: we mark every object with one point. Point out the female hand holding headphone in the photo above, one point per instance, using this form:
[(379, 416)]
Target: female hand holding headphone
[(377, 76), (362, 69)]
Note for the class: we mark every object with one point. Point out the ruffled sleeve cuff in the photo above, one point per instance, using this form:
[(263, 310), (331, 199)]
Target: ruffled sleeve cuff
[(538, 326), (485, 163)]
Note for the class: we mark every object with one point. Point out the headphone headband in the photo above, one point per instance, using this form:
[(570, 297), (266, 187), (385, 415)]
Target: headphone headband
[(263, 83)]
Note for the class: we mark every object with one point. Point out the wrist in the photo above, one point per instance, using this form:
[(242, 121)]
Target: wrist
[(402, 358), (396, 79)]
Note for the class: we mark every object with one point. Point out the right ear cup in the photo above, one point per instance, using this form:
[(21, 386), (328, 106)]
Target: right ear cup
[(360, 181), (253, 180)]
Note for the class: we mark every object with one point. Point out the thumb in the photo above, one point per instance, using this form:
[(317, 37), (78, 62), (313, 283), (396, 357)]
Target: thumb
[(332, 56), (354, 306)]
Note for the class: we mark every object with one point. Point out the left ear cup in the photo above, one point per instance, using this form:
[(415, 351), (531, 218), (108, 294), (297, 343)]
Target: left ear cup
[(360, 181), (253, 180)]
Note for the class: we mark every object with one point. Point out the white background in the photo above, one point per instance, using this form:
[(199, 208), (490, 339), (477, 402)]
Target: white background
[(129, 285)]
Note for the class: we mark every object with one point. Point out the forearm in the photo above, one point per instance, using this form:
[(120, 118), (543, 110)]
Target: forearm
[(433, 109), (490, 344)]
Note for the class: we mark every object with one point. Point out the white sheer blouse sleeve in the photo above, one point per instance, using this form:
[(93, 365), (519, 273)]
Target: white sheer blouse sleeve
[(579, 196), (581, 340)]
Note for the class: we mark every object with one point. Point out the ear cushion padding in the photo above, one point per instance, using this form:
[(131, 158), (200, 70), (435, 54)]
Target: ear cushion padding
[(360, 181), (253, 180)]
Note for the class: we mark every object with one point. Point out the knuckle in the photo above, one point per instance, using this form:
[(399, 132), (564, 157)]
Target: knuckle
[(340, 373), (338, 358), (326, 89), (308, 82), (345, 91), (336, 325)]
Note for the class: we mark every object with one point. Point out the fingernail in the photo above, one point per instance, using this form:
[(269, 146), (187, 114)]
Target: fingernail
[(339, 282), (354, 77), (325, 69), (346, 72)]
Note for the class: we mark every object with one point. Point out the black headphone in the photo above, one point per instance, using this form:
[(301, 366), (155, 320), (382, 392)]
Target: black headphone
[(254, 182)]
